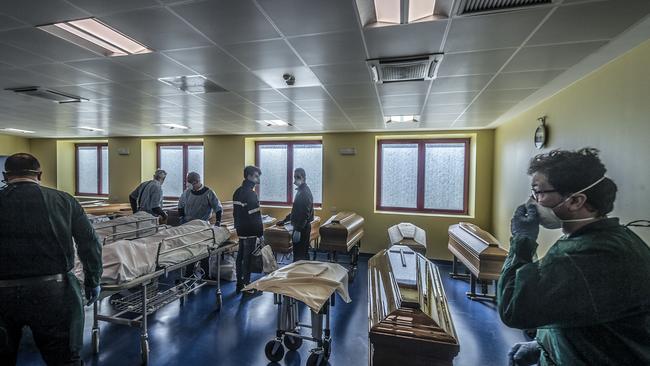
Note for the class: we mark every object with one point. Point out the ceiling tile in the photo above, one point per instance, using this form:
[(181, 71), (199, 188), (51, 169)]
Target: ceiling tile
[(263, 96), (404, 87), (350, 104), (112, 90), (44, 44), (295, 17), (154, 64), (331, 48), (153, 87), (207, 60), (222, 98), (17, 57), (401, 111), (101, 7), (227, 21), (67, 74), (392, 101), (318, 105), (156, 28), (451, 98), (366, 90), (304, 77), (264, 54), (108, 69), (552, 57), (278, 107), (470, 63), (405, 40), (444, 108), (36, 12), (460, 83), (7, 22), (19, 77), (524, 80), (304, 93), (504, 96), (343, 73), (500, 30), (597, 20)]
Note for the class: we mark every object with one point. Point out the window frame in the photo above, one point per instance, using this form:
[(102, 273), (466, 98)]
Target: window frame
[(100, 180), (420, 179), (185, 146), (290, 189)]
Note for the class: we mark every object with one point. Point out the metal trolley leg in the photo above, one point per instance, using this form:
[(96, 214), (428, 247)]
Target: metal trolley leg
[(144, 336)]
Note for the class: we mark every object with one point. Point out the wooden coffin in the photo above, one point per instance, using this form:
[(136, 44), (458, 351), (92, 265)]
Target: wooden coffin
[(102, 208), (341, 232), (410, 235), (279, 237), (409, 319), (477, 249)]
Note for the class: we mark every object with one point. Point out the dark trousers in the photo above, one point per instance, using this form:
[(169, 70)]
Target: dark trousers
[(301, 248), (242, 267), (53, 311)]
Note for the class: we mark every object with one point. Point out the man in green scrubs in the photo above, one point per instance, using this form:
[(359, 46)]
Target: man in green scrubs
[(589, 296), (37, 287)]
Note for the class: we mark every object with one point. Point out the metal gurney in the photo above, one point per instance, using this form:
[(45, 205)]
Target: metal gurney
[(134, 226), (315, 284), (173, 249)]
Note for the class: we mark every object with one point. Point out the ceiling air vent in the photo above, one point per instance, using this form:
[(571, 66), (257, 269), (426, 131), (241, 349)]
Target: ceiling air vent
[(49, 94), (474, 7), (192, 84), (389, 70)]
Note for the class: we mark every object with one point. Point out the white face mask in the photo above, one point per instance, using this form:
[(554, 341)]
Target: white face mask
[(547, 216), (297, 182)]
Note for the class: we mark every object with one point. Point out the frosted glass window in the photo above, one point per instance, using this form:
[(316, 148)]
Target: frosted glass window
[(171, 160), (444, 183), (399, 175), (104, 170), (273, 163), (195, 160), (310, 158), (87, 178)]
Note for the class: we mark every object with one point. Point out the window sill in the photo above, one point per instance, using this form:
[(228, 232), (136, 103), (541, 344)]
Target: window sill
[(287, 207), (88, 198), (405, 213)]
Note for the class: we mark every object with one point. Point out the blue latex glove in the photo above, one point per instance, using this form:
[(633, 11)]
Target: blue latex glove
[(92, 293), (524, 354), (295, 238), (525, 221)]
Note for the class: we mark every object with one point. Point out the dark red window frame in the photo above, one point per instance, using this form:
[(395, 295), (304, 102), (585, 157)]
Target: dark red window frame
[(185, 146), (290, 188), (420, 185), (100, 180)]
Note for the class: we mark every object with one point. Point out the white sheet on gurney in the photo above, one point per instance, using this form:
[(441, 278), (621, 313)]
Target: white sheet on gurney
[(308, 281), (125, 260), (125, 224)]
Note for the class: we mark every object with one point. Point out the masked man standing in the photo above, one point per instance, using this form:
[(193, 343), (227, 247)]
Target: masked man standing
[(301, 216), (589, 296)]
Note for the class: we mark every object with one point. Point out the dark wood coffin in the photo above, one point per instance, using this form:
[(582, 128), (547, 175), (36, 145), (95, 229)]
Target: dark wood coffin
[(409, 319), (477, 249), (341, 232), (279, 237), (410, 235)]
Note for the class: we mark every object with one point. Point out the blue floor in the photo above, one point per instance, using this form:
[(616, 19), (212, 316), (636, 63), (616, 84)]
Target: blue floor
[(197, 335)]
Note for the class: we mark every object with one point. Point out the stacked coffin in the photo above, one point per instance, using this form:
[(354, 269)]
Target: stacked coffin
[(342, 233), (279, 237)]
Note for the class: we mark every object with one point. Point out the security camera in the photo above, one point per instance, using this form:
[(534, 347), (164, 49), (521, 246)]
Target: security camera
[(289, 79)]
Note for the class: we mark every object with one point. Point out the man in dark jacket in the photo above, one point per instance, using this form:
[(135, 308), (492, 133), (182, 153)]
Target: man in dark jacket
[(301, 216), (248, 222), (589, 296), (37, 288)]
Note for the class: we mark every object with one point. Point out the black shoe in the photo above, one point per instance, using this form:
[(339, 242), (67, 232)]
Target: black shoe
[(239, 288), (252, 292)]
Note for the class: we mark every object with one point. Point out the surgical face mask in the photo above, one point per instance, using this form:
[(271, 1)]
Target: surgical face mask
[(547, 216), (297, 182)]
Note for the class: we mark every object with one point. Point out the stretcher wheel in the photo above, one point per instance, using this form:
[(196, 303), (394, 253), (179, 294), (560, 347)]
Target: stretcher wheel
[(144, 351), (274, 356), (327, 347), (317, 359), (218, 301), (95, 340), (292, 343)]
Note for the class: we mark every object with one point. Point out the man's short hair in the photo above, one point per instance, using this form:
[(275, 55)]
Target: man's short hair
[(159, 174), (193, 177), (300, 172), (22, 164), (570, 171), (250, 170)]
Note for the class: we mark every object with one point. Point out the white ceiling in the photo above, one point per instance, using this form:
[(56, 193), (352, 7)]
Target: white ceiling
[(491, 63)]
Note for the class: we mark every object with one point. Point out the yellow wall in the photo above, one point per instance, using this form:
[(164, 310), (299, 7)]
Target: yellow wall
[(608, 110), (65, 166), (124, 171), (13, 144), (45, 150)]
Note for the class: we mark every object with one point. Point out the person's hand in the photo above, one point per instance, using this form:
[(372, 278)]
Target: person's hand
[(295, 238), (524, 354), (525, 221), (92, 293), (280, 223)]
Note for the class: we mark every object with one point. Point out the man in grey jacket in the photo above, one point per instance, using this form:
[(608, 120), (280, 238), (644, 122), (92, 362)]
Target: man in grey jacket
[(148, 196), (198, 201)]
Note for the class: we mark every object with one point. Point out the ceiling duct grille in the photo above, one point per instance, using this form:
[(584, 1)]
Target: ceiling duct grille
[(49, 94), (471, 7), (193, 84), (405, 68)]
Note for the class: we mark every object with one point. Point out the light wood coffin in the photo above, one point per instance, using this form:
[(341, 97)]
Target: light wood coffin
[(410, 235), (409, 319), (341, 232), (279, 237), (477, 249)]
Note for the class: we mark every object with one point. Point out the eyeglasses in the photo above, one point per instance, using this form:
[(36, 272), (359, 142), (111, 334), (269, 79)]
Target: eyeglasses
[(535, 194)]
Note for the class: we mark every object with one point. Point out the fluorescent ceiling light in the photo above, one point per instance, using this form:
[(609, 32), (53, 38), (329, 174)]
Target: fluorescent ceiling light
[(391, 11), (420, 9), (172, 126), (9, 129), (96, 36), (273, 123), (388, 11), (401, 119), (91, 129)]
